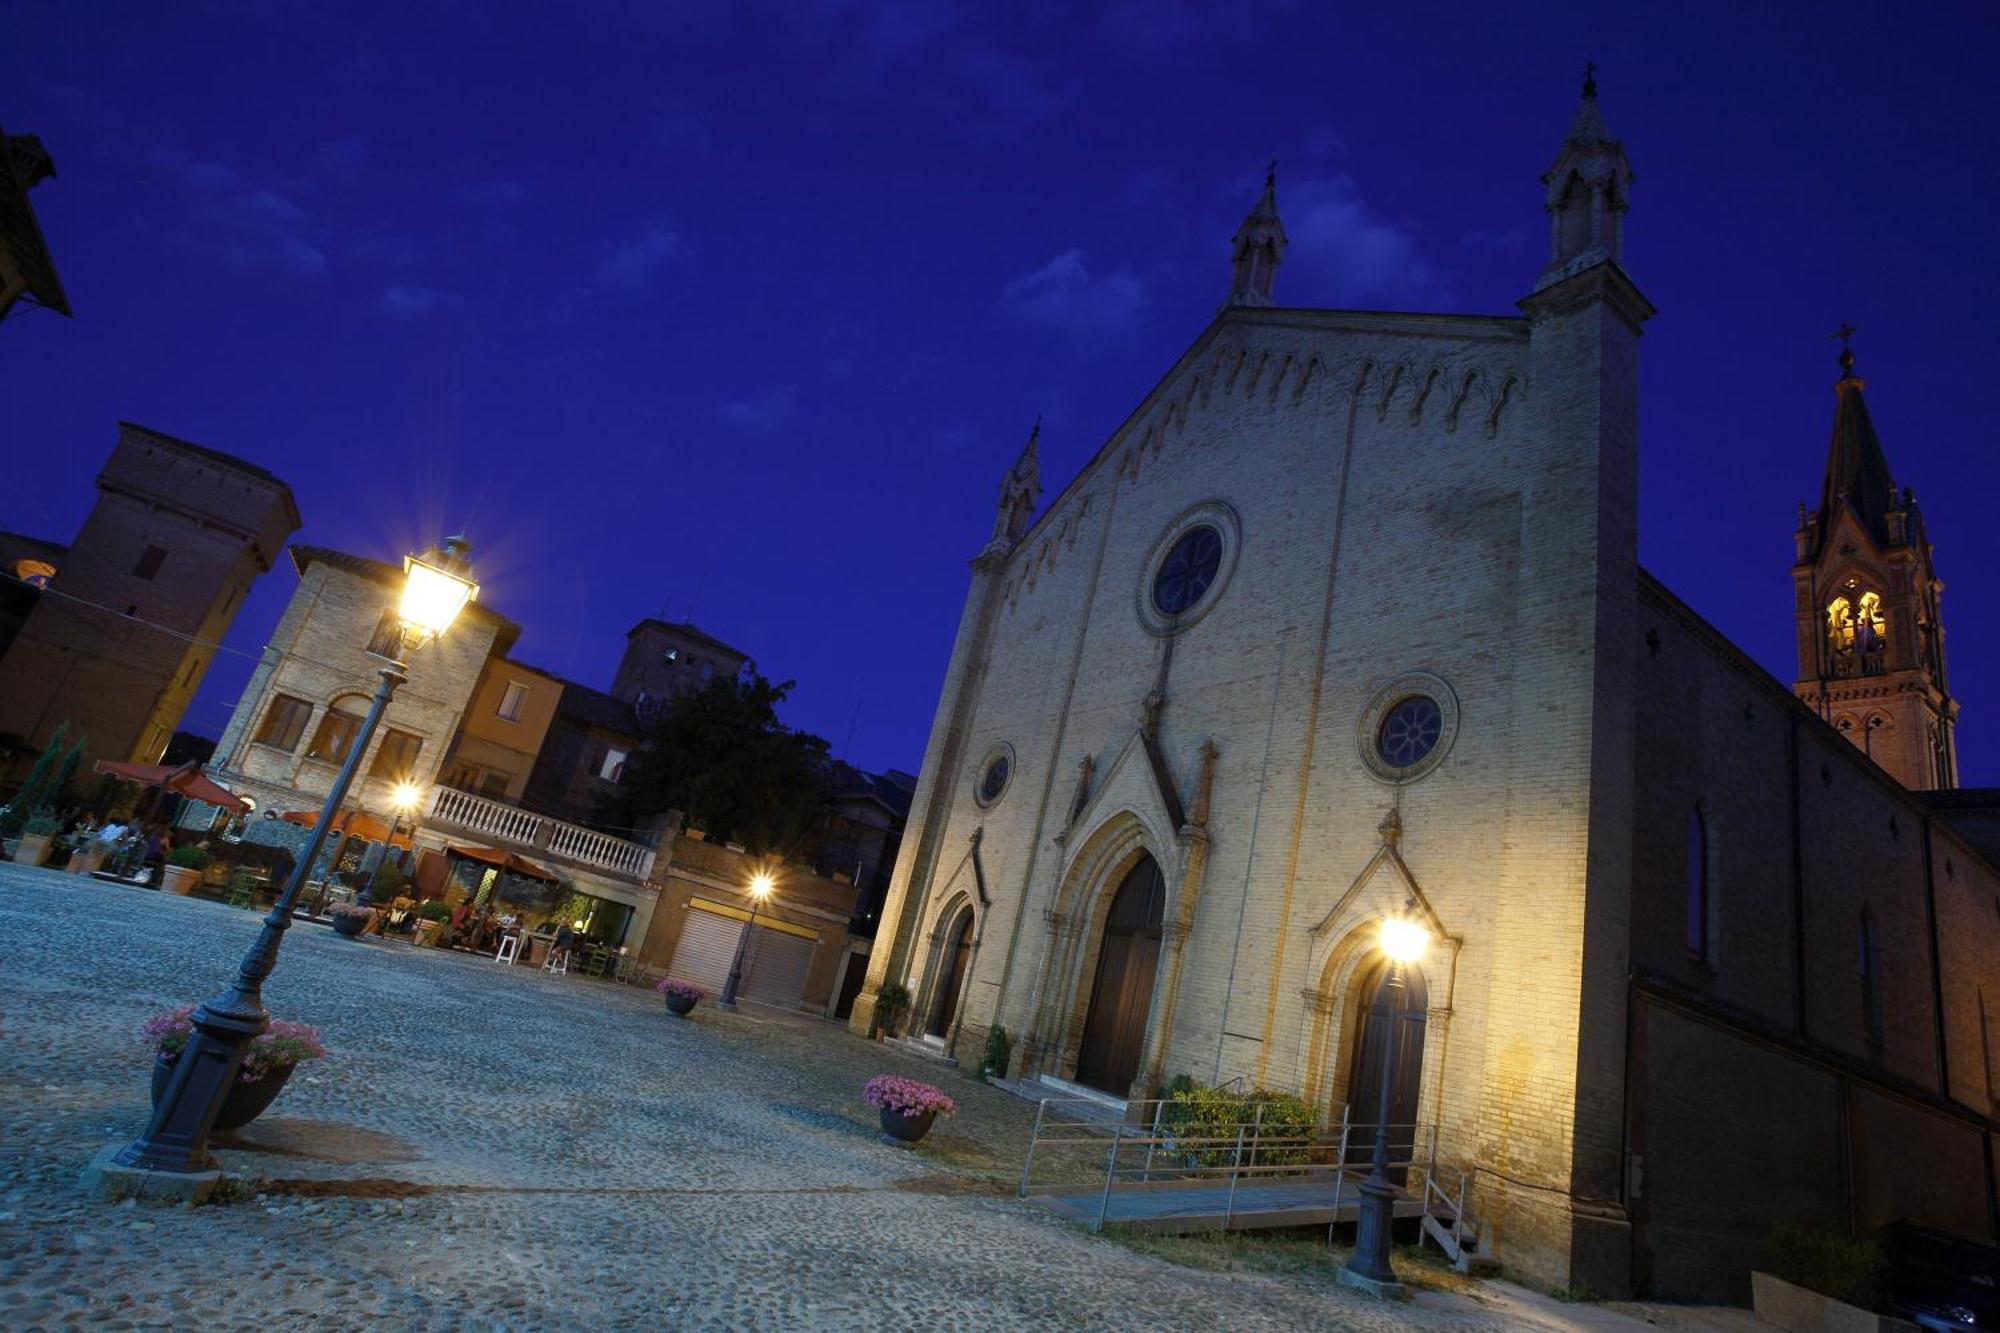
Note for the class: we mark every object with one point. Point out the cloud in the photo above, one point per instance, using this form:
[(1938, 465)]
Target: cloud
[(1064, 294), (249, 227), (409, 303), (761, 413), (634, 262), (1344, 254)]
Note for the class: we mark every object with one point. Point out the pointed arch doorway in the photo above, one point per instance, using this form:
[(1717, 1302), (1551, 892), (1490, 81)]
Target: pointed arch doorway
[(1121, 996), (954, 954), (1405, 1011)]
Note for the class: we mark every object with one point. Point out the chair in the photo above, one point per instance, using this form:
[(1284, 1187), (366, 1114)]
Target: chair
[(510, 947), (558, 962)]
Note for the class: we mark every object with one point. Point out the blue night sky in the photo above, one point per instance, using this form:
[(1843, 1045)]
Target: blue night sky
[(756, 302)]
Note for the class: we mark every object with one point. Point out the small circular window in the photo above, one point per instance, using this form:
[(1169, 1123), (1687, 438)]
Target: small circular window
[(1188, 571), (994, 774), (1408, 726), (1189, 565), (1410, 731)]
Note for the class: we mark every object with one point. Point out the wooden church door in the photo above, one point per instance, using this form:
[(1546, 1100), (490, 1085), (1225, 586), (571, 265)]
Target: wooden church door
[(1114, 1031), (1404, 1012)]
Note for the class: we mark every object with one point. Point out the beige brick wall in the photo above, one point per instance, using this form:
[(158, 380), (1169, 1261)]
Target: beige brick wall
[(319, 654)]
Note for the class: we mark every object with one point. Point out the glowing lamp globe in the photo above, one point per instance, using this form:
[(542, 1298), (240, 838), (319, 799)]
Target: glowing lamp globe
[(1404, 940), (761, 886), (407, 796), (432, 597)]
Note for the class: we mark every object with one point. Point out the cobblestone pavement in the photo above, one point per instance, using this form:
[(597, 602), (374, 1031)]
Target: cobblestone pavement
[(491, 1147)]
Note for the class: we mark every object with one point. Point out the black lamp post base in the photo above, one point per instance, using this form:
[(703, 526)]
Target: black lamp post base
[(1391, 1290), (106, 1180)]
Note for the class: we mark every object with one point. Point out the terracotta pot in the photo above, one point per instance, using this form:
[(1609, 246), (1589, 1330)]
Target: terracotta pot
[(349, 924), (245, 1102), (181, 880), (682, 1005), (33, 849), (87, 862), (908, 1128)]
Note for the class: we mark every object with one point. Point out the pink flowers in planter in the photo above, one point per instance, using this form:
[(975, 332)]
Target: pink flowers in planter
[(685, 991), (279, 1046), (906, 1096)]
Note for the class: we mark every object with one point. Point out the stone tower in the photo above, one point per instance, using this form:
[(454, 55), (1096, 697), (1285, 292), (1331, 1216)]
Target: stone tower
[(1871, 642), (119, 641)]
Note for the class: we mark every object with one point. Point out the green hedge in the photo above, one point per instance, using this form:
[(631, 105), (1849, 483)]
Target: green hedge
[(1201, 1114), (1853, 1271)]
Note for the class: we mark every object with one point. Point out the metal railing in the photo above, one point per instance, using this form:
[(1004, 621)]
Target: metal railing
[(1161, 1145), (511, 824)]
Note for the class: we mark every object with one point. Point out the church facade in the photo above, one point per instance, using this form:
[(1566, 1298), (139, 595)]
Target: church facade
[(1346, 621)]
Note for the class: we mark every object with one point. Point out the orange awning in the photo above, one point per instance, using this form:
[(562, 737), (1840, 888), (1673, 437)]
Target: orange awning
[(186, 780), (502, 860), (354, 823)]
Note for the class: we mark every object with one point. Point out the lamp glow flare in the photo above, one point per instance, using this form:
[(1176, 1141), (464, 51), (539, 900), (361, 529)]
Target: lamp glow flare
[(1404, 941)]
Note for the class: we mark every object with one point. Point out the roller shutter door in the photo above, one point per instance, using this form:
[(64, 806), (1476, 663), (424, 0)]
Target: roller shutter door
[(775, 972), (706, 948)]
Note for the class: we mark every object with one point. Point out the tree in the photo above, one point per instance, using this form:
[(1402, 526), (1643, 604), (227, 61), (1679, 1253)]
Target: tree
[(34, 794), (66, 775), (723, 759)]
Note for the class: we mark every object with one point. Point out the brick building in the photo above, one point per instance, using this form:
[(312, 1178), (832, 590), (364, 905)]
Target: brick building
[(115, 632), (1346, 621)]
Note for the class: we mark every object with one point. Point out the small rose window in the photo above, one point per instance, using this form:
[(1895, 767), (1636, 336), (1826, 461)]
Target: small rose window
[(993, 778), (1188, 571), (1410, 731)]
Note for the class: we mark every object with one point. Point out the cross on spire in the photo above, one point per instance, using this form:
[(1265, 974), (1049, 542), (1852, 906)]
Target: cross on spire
[(1845, 333), (1590, 78)]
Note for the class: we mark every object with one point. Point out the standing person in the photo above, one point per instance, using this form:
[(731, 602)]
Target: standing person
[(565, 937)]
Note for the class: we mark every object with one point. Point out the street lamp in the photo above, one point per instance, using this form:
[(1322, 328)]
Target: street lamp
[(436, 587), (1403, 940), (761, 885), (404, 800)]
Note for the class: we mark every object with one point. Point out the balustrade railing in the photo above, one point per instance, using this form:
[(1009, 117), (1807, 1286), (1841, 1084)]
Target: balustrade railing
[(506, 823)]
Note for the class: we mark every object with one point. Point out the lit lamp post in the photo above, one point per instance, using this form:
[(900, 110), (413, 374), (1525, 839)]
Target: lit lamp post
[(1402, 942), (760, 889), (435, 589), (404, 800)]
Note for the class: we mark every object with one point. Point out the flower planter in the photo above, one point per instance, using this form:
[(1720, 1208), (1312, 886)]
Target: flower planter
[(33, 849), (87, 863), (350, 924), (908, 1128), (680, 1005), (245, 1102), (181, 880)]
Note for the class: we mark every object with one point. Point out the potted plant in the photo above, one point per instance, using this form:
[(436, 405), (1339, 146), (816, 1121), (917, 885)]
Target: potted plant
[(682, 996), (184, 866), (36, 836), (88, 856), (267, 1066), (431, 916), (907, 1106), (349, 919), (891, 1003)]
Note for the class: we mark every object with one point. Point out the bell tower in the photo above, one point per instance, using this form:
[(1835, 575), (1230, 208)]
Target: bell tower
[(1870, 637)]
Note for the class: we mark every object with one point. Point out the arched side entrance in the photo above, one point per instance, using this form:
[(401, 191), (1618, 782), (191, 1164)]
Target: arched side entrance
[(1403, 1010), (1114, 1029), (954, 955)]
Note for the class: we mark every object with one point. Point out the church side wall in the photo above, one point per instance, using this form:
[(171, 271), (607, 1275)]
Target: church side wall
[(1757, 1093)]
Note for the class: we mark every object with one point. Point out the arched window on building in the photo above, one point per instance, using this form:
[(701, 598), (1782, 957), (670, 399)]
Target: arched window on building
[(1698, 887), (1869, 964)]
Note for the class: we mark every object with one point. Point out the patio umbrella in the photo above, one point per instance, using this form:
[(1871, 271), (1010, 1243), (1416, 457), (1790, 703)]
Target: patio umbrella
[(354, 823), (505, 860), (184, 780)]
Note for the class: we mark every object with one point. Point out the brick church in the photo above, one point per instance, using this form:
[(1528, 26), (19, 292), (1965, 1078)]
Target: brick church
[(1346, 620)]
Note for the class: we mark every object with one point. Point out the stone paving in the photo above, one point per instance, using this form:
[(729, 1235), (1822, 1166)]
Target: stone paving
[(492, 1147)]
